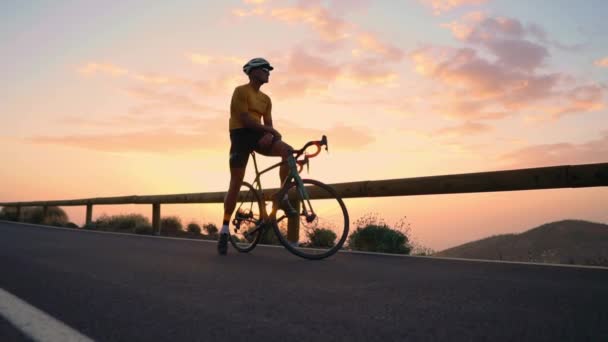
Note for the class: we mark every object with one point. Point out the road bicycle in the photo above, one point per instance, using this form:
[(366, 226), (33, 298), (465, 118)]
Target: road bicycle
[(321, 212)]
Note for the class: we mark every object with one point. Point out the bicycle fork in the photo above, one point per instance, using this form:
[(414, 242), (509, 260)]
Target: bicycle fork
[(307, 209)]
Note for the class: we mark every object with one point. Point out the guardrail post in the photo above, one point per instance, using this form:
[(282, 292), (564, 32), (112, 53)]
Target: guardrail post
[(18, 214), (89, 217), (45, 212), (156, 218)]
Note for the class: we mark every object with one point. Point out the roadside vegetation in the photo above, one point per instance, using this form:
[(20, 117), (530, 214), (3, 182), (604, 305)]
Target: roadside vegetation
[(368, 233)]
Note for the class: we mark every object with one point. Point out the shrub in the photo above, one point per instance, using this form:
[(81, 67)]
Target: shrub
[(121, 222), (374, 235), (211, 229), (193, 228), (144, 230), (8, 213), (71, 225), (171, 225), (321, 237), (55, 215)]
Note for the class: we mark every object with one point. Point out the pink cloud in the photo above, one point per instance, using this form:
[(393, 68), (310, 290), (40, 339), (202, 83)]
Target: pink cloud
[(330, 27), (371, 43), (440, 6), (466, 129), (593, 151), (498, 73)]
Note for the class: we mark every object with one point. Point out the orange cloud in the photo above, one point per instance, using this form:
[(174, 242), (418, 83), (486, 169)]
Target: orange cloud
[(208, 59), (603, 63), (319, 18), (186, 133), (160, 100), (466, 129), (342, 137), (162, 141), (440, 6), (369, 42), (102, 68)]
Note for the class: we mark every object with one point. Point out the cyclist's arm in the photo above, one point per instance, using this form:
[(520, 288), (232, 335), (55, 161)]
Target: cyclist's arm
[(252, 124), (268, 120)]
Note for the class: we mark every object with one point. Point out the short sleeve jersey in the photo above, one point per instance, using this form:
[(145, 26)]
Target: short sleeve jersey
[(245, 99)]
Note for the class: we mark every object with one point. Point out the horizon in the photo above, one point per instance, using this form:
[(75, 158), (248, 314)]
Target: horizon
[(132, 97)]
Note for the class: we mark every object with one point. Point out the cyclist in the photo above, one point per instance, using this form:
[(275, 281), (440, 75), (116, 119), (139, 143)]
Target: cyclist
[(249, 106)]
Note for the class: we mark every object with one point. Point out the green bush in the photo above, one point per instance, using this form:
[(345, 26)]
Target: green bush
[(374, 235), (71, 225), (193, 228), (170, 225), (321, 237)]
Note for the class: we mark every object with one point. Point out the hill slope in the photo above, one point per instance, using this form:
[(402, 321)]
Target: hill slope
[(565, 242)]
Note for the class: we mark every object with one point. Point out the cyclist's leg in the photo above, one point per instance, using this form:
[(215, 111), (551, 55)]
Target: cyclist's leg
[(236, 179), (281, 149)]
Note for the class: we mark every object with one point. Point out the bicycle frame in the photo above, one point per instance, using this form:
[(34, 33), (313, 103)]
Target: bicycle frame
[(293, 174)]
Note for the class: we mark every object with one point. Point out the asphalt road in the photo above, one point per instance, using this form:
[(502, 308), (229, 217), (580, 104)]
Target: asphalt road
[(131, 288)]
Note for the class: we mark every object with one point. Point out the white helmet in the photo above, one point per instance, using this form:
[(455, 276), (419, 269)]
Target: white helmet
[(255, 63)]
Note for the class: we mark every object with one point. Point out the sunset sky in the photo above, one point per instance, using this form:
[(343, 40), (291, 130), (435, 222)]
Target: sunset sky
[(131, 97)]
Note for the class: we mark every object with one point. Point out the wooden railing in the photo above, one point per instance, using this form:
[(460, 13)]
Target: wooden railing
[(554, 177)]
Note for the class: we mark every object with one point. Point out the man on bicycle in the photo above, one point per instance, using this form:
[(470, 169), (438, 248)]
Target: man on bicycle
[(249, 106)]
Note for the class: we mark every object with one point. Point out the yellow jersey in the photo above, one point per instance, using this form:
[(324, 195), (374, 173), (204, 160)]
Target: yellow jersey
[(255, 103)]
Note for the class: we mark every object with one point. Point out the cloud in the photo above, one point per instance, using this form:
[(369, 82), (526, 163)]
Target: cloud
[(466, 129), (602, 63), (342, 137), (505, 38), (441, 6), (187, 133), (370, 71), (593, 151), (94, 68), (330, 27), (498, 73), (157, 99), (369, 42), (198, 58), (164, 141)]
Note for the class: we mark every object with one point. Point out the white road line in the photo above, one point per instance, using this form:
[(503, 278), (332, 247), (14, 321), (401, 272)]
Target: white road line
[(34, 323)]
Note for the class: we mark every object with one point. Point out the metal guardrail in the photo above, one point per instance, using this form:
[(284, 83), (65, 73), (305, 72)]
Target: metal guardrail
[(553, 177)]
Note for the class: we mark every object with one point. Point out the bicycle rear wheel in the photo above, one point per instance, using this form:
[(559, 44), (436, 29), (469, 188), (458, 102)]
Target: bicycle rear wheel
[(246, 225), (321, 227)]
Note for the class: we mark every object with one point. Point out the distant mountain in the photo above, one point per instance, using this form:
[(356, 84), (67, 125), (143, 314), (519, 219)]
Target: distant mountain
[(564, 242)]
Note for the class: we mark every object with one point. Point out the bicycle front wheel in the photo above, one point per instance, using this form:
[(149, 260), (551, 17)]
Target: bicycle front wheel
[(321, 227), (246, 225)]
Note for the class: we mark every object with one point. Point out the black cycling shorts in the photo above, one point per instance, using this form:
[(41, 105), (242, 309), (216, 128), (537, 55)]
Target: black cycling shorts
[(243, 141)]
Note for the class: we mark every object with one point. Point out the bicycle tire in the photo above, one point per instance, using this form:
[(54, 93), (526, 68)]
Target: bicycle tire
[(247, 219), (321, 191)]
